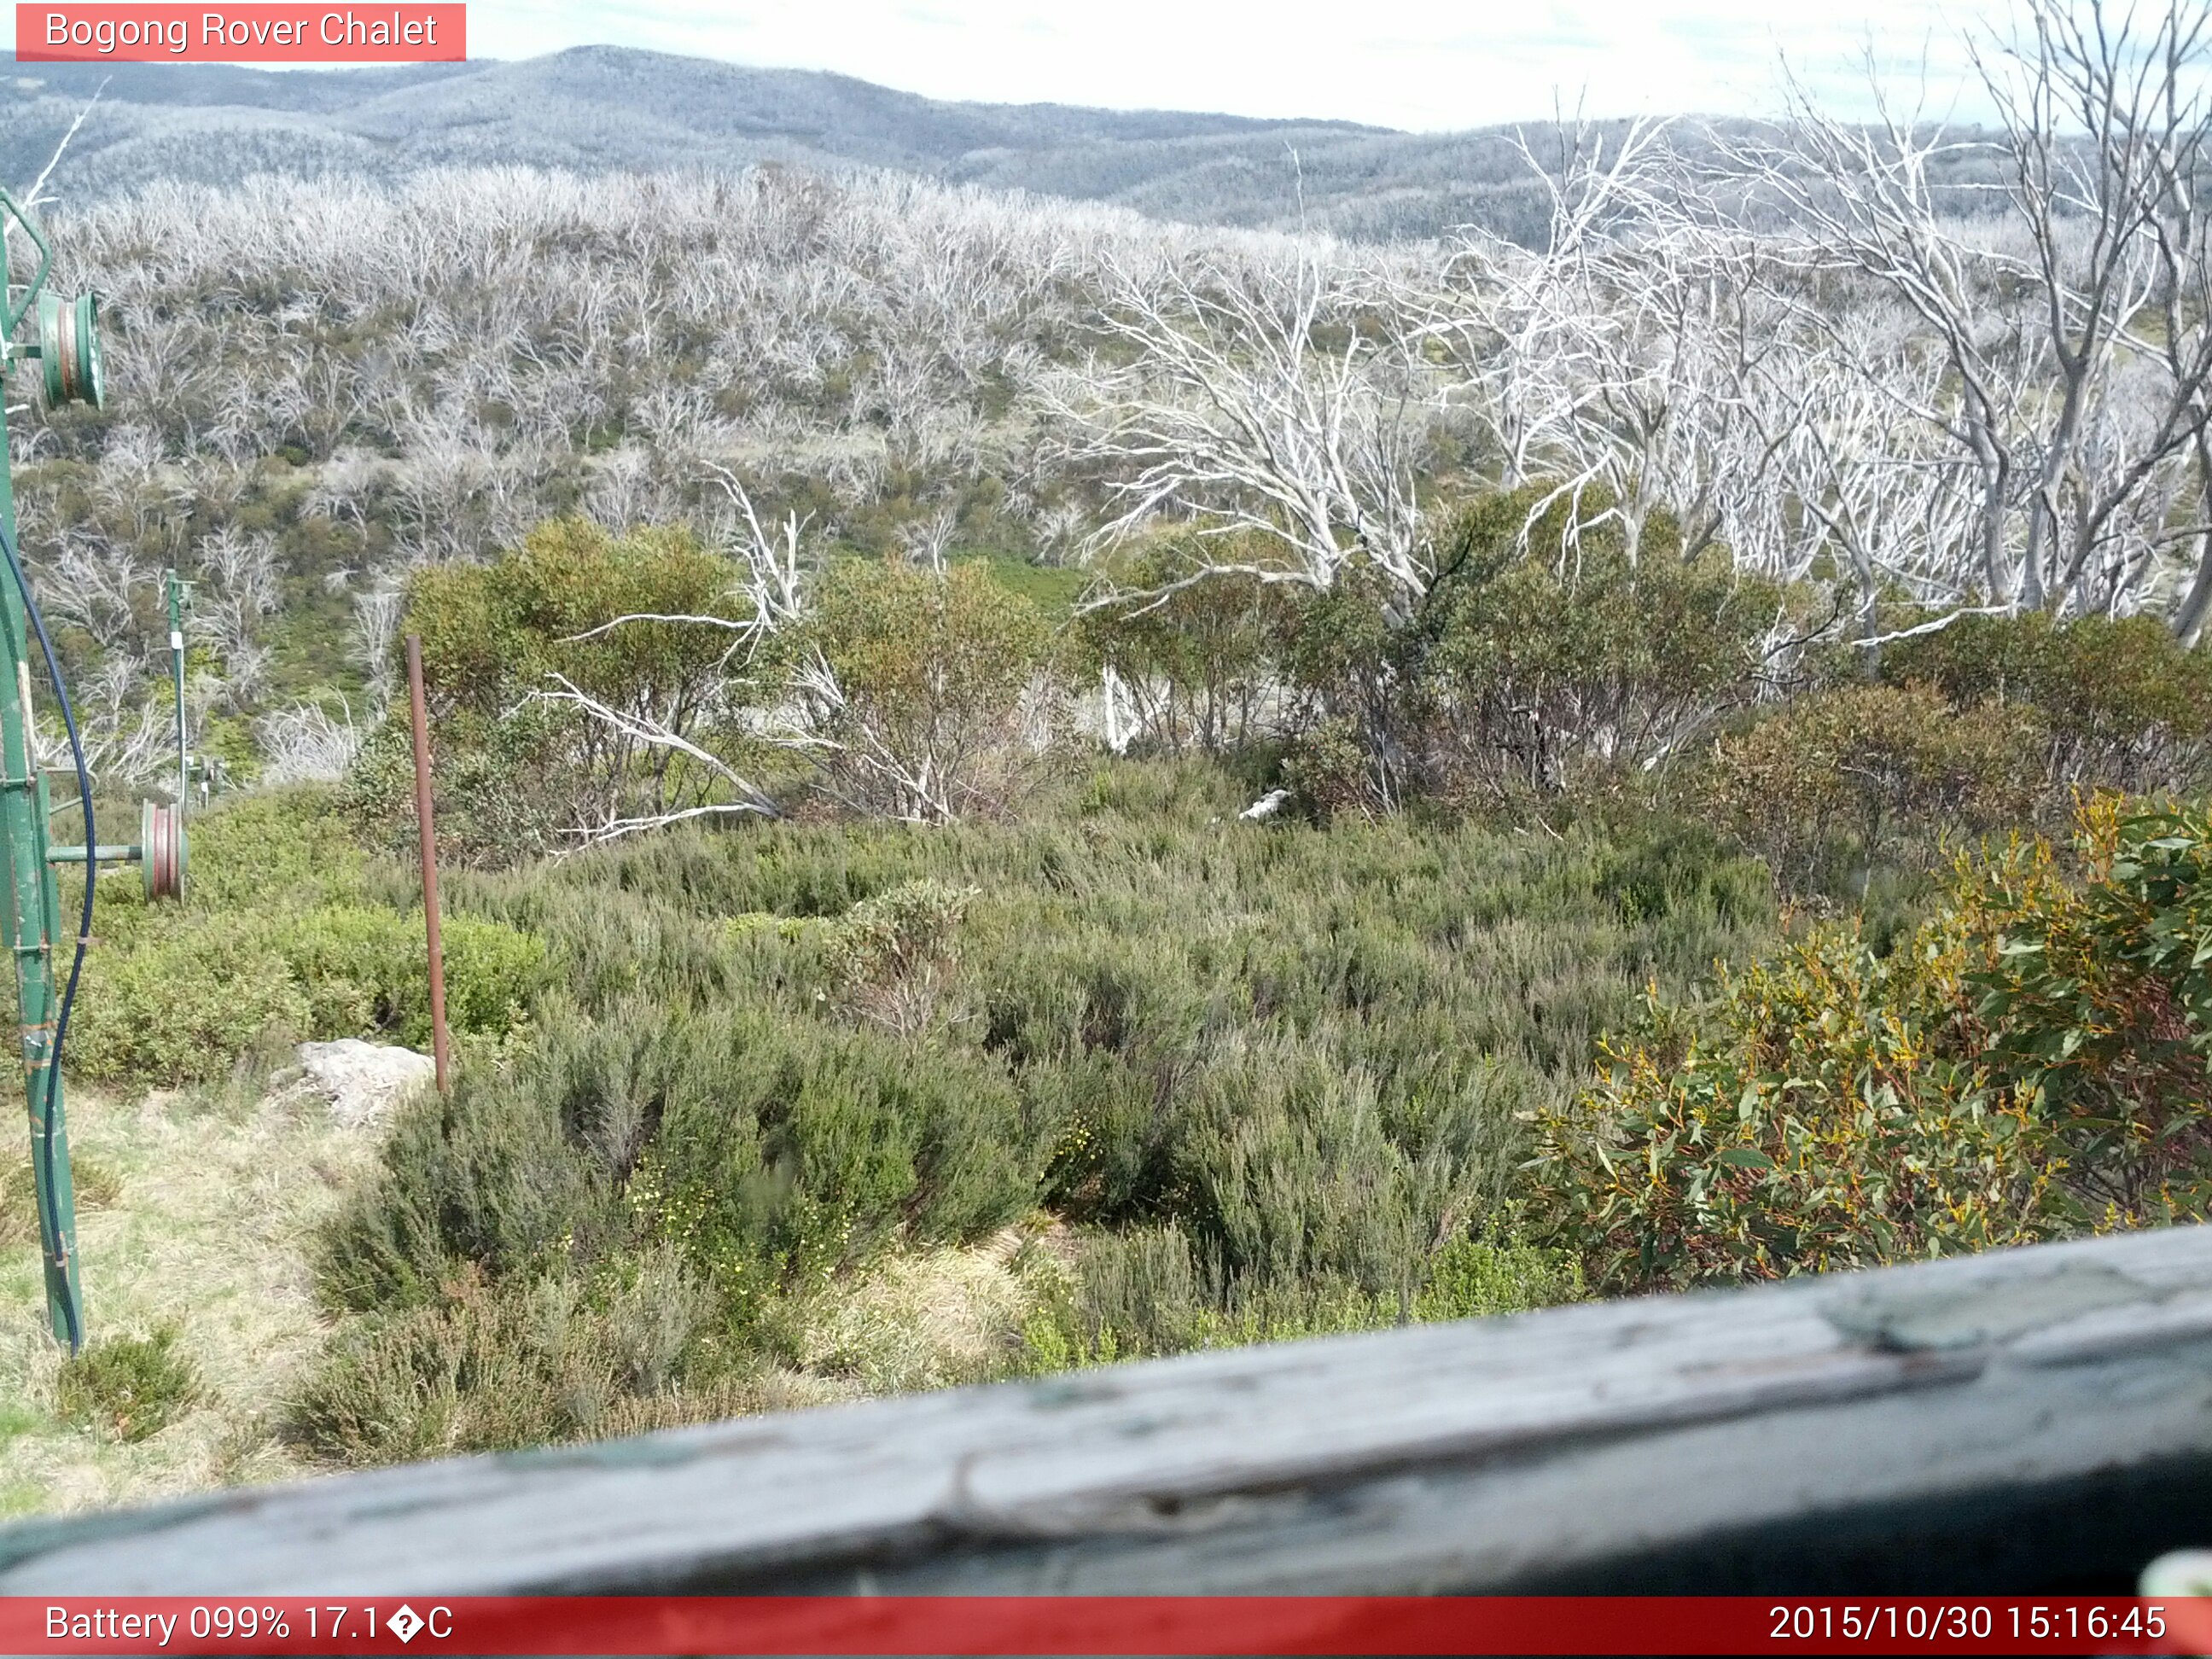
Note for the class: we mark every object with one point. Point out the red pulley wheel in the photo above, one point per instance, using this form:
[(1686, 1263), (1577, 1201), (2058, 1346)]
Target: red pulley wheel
[(161, 854)]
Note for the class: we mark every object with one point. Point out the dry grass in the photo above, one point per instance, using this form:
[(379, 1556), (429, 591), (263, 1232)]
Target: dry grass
[(216, 1196), (214, 1199), (934, 1319)]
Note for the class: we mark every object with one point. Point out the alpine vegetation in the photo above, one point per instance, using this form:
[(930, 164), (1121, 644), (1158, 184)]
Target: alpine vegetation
[(1022, 784)]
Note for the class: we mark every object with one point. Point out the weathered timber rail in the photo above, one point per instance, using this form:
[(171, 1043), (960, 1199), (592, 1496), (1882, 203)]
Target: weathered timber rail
[(2029, 1419)]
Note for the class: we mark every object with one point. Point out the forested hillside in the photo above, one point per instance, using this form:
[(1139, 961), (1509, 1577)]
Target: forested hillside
[(1023, 784), (600, 109)]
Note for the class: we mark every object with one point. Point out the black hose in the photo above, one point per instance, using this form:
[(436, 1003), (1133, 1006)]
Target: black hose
[(71, 1314)]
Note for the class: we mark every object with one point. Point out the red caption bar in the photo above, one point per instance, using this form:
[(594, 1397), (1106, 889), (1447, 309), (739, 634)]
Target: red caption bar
[(1134, 1625), (256, 33)]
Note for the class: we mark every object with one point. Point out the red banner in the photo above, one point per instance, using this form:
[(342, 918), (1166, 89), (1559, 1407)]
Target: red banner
[(256, 33), (900, 1625)]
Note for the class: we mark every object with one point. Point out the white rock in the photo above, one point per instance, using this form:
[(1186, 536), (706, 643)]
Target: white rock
[(362, 1081), (1266, 806)]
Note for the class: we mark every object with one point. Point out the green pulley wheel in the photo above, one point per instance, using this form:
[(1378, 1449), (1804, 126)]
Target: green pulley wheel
[(161, 858), (69, 349)]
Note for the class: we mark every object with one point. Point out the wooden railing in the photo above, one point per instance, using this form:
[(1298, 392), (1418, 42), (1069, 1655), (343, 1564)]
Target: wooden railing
[(2028, 1419)]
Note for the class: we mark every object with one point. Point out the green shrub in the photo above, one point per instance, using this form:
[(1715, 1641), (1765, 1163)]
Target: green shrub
[(1860, 770), (493, 631), (288, 847), (1144, 1291), (132, 1387), (924, 695), (1478, 1278), (812, 1148), (775, 1154), (282, 939), (2096, 998), (488, 1180), (1575, 658), (364, 971), (891, 958), (2031, 1062), (496, 1368), (1329, 769), (921, 687), (182, 1005), (1201, 661), (1806, 1120), (1654, 868), (196, 990), (1131, 1293), (514, 774), (503, 788), (1272, 1081), (2122, 702), (1543, 658)]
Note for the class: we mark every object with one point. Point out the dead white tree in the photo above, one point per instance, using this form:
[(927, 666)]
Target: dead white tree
[(2105, 116), (1863, 203), (306, 742), (1278, 398), (771, 594), (651, 733), (35, 196), (377, 614), (927, 541), (1540, 353), (2065, 330), (772, 574), (238, 589), (1852, 495), (128, 727)]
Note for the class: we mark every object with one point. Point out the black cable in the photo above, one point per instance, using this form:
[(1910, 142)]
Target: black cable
[(70, 1313)]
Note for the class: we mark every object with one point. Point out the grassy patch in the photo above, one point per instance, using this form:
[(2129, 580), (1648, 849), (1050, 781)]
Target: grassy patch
[(96, 1187), (1054, 589), (216, 1199)]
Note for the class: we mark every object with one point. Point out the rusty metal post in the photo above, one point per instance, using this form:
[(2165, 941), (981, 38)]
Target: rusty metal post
[(438, 1048)]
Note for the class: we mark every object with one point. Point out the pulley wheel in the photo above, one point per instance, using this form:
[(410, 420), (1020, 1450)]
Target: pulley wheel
[(162, 858), (69, 349)]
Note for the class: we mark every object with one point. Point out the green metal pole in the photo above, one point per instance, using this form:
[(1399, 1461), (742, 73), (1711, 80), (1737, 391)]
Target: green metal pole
[(176, 589), (29, 911), (68, 349)]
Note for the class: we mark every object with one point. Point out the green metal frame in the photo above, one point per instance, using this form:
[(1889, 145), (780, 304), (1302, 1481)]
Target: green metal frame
[(65, 339), (30, 906), (14, 314)]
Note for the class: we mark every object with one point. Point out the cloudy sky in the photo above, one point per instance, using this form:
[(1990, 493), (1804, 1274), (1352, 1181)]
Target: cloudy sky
[(1416, 63)]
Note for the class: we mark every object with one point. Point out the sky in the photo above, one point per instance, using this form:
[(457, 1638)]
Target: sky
[(1420, 64)]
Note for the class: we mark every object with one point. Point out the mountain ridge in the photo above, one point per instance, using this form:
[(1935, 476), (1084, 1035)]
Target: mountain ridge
[(602, 108)]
